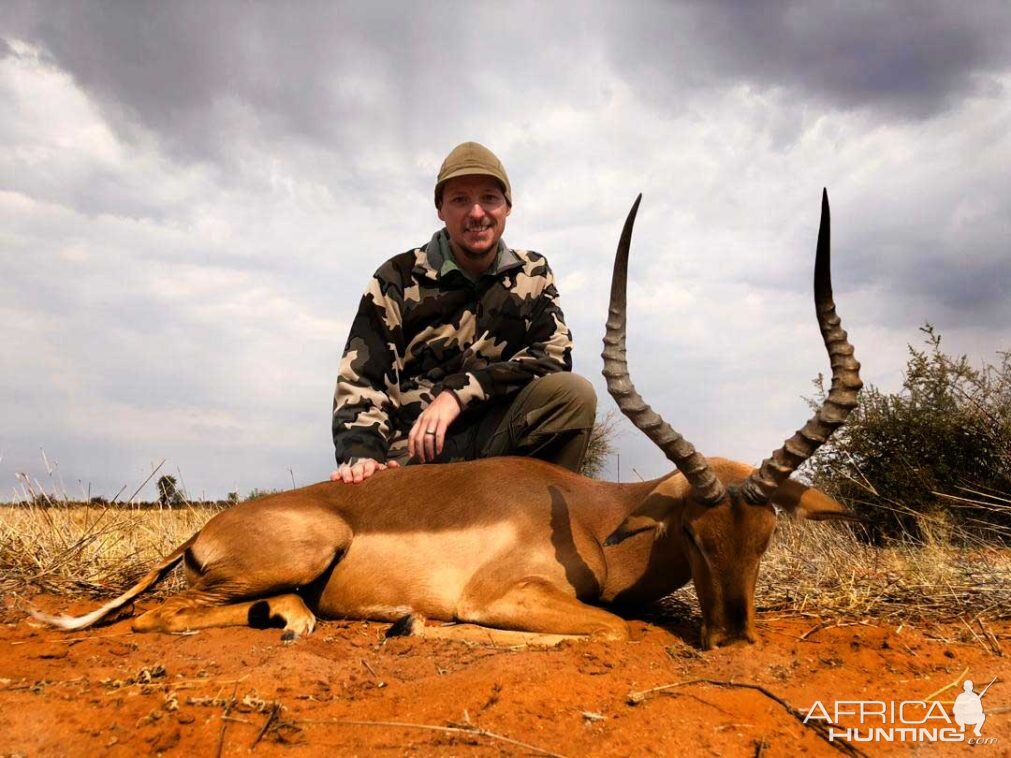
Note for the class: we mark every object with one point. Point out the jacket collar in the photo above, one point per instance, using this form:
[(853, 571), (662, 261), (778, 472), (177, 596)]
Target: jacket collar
[(438, 262)]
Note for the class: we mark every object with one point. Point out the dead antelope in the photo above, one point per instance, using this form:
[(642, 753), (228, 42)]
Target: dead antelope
[(510, 543)]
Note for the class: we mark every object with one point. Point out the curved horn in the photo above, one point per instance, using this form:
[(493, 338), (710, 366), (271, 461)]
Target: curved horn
[(677, 449), (842, 397)]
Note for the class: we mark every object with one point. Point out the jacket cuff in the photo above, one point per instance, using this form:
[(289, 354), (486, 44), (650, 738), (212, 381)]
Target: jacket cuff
[(466, 388), (360, 445)]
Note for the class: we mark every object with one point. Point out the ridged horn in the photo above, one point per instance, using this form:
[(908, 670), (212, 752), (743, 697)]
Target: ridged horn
[(678, 450), (842, 397)]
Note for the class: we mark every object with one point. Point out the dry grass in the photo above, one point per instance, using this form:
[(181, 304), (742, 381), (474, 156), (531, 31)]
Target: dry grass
[(88, 550), (813, 569), (824, 570)]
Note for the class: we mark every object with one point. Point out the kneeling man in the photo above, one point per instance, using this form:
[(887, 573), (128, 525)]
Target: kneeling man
[(459, 349)]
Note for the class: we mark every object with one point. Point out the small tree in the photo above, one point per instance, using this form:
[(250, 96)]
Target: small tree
[(601, 444), (168, 492), (256, 493), (940, 448)]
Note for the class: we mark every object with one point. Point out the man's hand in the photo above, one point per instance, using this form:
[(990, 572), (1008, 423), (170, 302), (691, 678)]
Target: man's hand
[(358, 472), (429, 432)]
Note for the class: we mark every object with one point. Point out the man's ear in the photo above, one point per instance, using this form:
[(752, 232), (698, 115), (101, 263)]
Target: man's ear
[(438, 211)]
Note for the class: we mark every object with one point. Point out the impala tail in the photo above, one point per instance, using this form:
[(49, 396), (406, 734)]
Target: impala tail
[(150, 579)]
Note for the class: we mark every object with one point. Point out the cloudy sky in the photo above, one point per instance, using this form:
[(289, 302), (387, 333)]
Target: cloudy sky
[(193, 196)]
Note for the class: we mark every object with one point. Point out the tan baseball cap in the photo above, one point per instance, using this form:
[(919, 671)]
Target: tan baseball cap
[(468, 159)]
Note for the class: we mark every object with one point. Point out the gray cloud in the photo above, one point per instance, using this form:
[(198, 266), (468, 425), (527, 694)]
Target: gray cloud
[(350, 76), (194, 194), (346, 75), (910, 59)]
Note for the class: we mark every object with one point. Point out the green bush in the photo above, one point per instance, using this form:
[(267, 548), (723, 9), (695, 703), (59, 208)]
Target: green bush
[(935, 454)]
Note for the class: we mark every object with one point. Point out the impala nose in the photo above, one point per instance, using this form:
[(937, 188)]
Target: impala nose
[(734, 626), (712, 638)]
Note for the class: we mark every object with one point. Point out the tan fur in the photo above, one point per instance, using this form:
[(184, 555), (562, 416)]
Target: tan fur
[(509, 543)]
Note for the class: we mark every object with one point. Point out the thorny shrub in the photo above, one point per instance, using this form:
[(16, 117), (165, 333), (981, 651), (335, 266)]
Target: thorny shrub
[(601, 445), (932, 460)]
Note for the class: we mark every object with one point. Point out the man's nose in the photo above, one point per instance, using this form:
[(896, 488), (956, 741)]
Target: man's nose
[(476, 210)]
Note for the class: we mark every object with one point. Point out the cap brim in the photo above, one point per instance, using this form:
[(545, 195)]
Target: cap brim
[(474, 171)]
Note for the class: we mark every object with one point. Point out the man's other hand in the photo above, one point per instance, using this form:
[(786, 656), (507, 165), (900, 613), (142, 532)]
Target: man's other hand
[(360, 471), (429, 432)]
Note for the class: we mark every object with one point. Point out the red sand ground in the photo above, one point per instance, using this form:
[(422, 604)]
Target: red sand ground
[(109, 692)]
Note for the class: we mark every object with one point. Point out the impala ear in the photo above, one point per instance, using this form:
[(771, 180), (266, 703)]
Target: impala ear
[(651, 516), (805, 502)]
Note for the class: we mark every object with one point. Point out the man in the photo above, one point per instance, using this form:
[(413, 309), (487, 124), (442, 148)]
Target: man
[(459, 349), (968, 708)]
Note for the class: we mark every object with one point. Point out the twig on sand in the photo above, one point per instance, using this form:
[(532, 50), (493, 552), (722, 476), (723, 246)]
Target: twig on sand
[(372, 671), (816, 628), (470, 731), (823, 625), (224, 719), (75, 640), (947, 687), (983, 643), (271, 718), (991, 638), (843, 746)]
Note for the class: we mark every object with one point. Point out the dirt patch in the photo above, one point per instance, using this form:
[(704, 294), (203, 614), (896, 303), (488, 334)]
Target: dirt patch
[(347, 690)]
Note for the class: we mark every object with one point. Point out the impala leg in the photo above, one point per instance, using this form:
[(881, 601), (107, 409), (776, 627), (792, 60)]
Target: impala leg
[(533, 611), (245, 566), (537, 605), (414, 626), (200, 610)]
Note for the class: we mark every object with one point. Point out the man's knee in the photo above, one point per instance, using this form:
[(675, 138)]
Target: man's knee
[(572, 396)]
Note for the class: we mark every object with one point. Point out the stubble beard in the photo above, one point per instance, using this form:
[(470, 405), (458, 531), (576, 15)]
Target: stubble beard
[(477, 255)]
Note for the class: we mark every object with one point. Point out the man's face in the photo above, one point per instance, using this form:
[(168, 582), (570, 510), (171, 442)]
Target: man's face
[(474, 210)]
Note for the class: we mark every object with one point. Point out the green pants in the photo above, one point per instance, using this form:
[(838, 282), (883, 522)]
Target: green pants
[(551, 419)]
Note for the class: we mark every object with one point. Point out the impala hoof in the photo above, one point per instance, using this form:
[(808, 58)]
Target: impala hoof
[(298, 625), (408, 626)]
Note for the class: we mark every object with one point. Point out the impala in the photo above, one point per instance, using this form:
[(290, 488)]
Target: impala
[(511, 543)]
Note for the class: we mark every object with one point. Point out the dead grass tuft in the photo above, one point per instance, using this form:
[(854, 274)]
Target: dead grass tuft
[(89, 550), (826, 571)]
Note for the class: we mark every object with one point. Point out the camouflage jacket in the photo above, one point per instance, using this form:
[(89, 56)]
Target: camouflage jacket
[(423, 327)]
